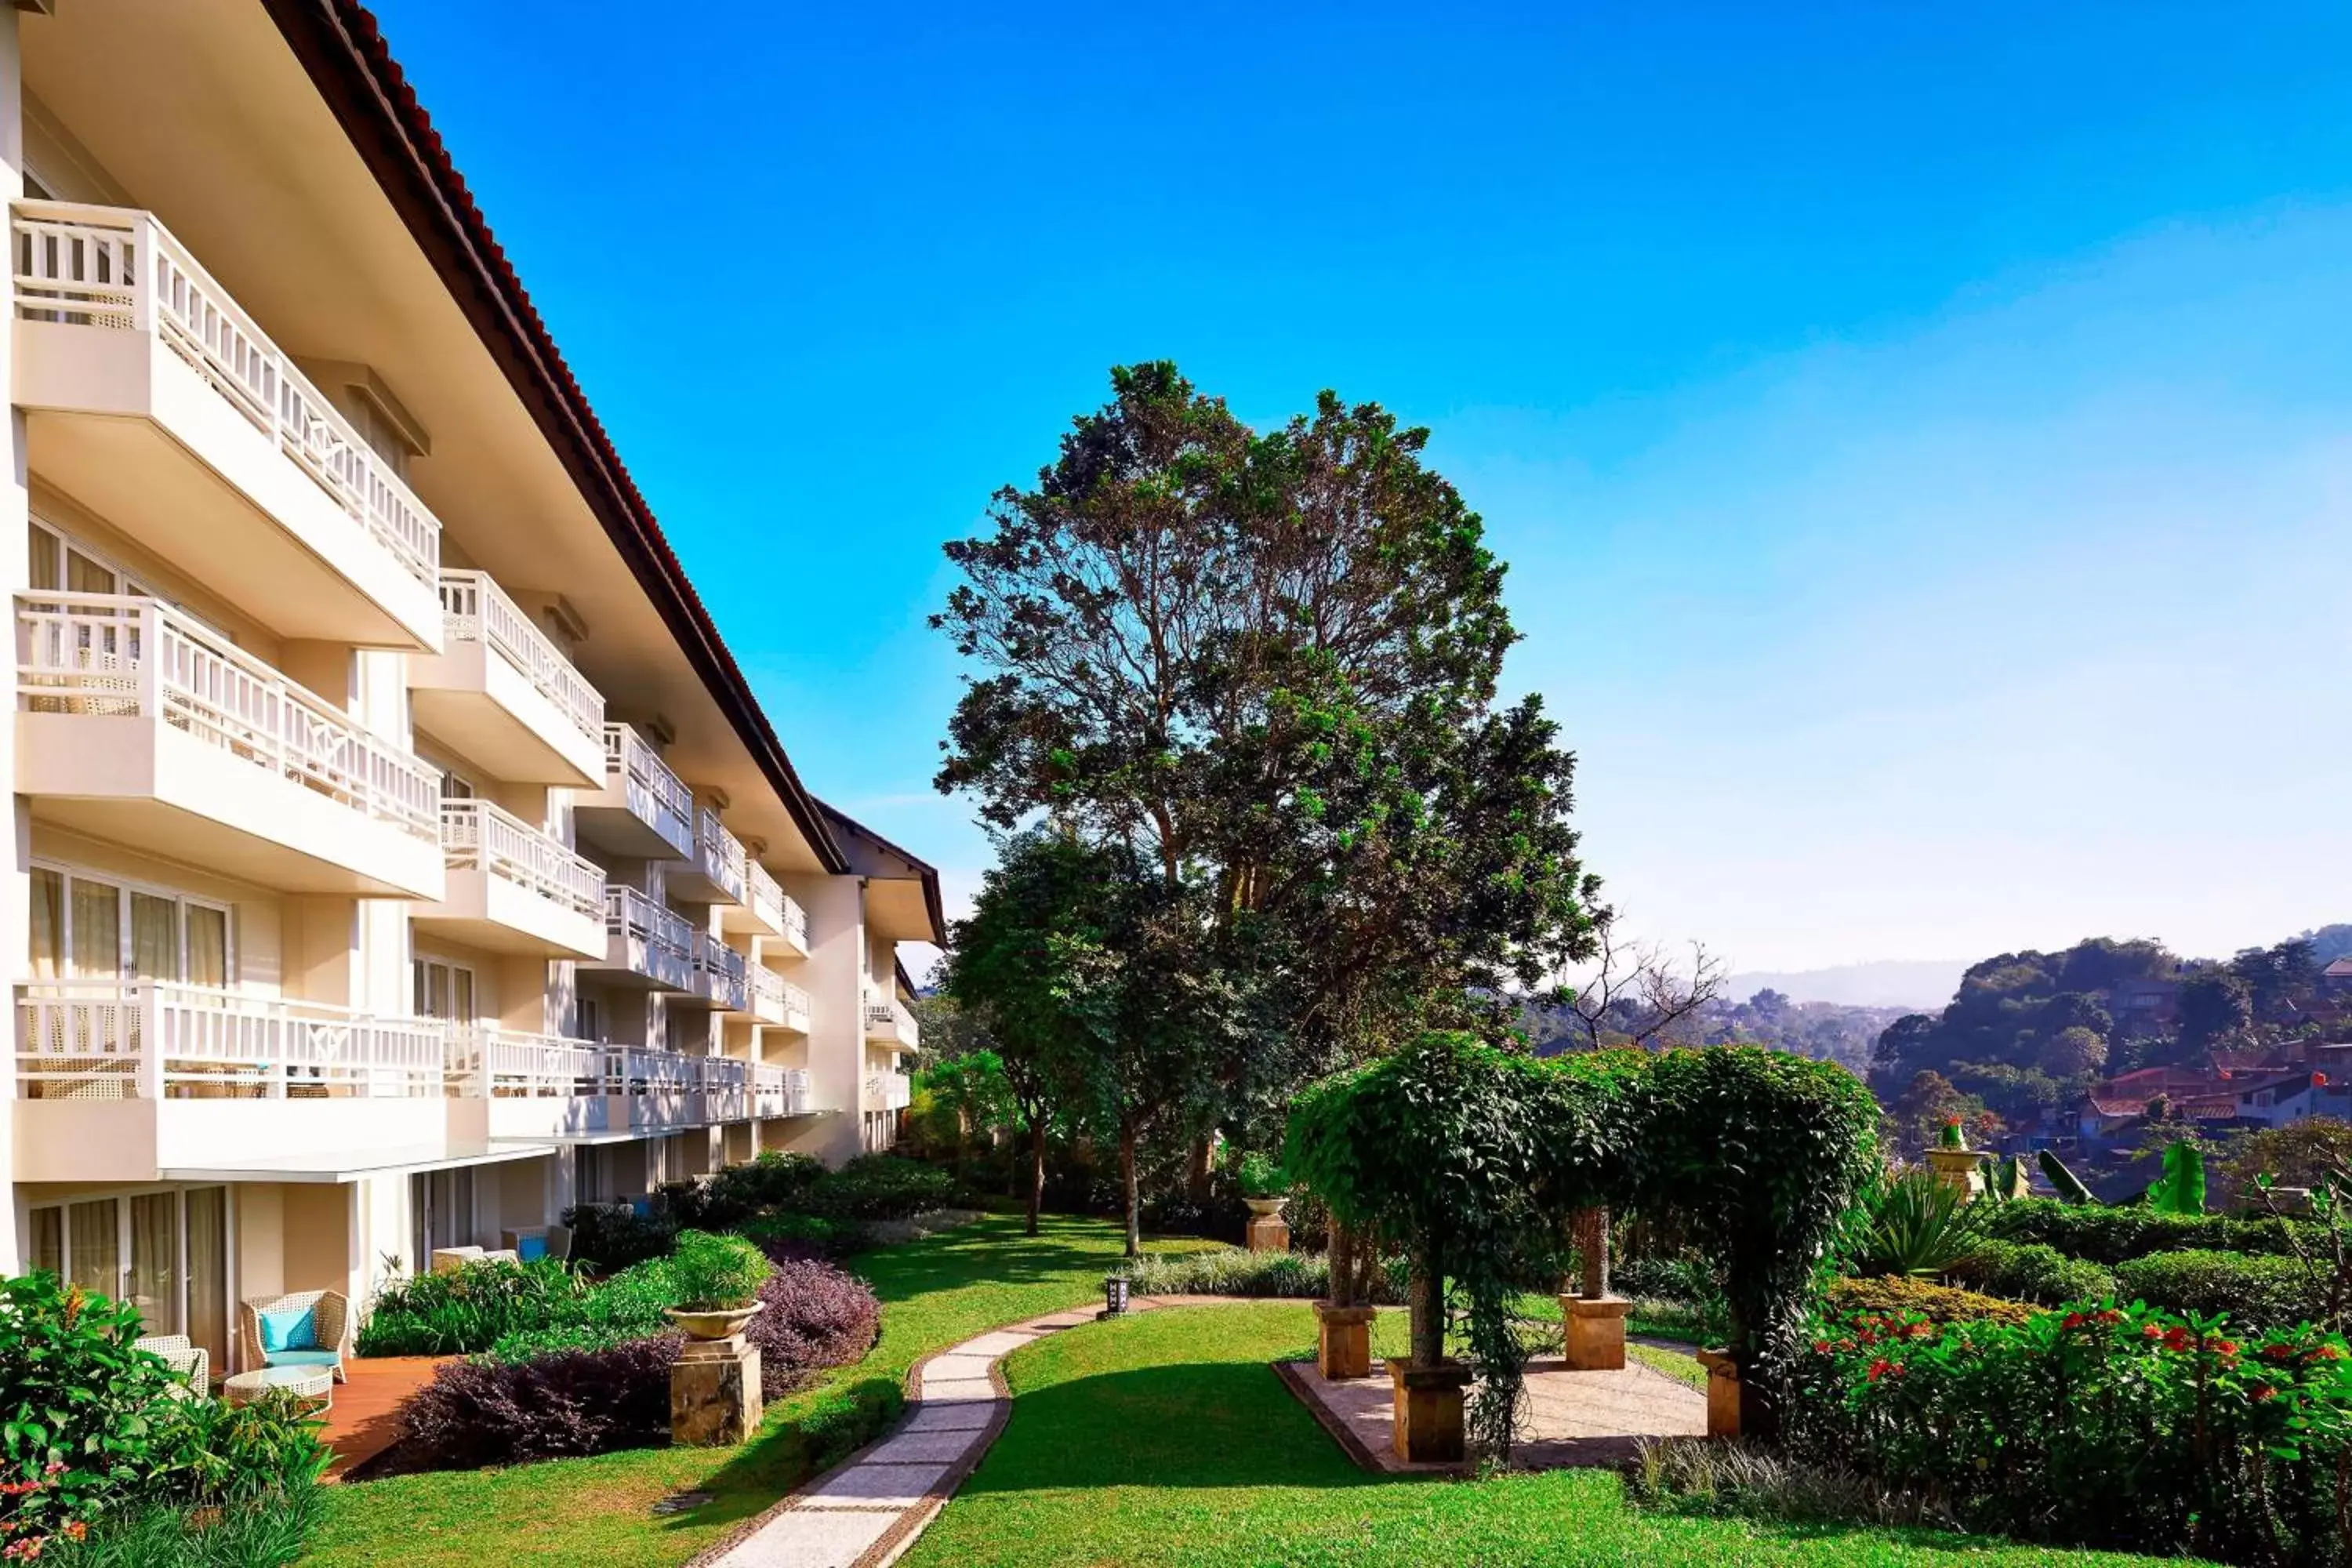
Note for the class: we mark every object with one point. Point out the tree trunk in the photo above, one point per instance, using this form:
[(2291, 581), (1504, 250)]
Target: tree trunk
[(1341, 1255), (1196, 1178), (1127, 1180), (1591, 1231), (1036, 1170), (1426, 1293)]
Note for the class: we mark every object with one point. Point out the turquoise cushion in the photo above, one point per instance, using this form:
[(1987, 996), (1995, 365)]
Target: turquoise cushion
[(295, 1327), (531, 1248), (303, 1358)]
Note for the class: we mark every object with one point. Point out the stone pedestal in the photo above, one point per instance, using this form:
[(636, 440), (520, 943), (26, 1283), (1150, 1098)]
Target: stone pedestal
[(1427, 1426), (1595, 1336), (1957, 1169), (1269, 1233), (714, 1393), (1722, 1393), (1343, 1340)]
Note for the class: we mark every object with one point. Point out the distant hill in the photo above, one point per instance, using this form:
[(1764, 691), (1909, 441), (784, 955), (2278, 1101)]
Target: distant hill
[(1924, 984)]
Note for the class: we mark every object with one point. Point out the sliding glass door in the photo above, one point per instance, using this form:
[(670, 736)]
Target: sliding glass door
[(167, 1253)]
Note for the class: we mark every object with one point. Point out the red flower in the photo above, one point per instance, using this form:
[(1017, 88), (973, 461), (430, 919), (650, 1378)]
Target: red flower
[(2177, 1340), (2278, 1352), (1883, 1368), (2073, 1320), (1821, 1347), (2150, 1331), (75, 1529), (2226, 1347), (2264, 1391)]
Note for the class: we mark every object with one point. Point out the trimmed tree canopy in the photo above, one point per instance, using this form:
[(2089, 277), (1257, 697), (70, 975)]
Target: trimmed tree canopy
[(1476, 1156)]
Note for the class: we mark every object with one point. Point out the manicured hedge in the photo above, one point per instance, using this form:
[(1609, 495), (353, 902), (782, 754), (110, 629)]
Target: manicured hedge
[(2119, 1427), (2256, 1292), (1894, 1295), (2033, 1271), (1231, 1271), (2110, 1234)]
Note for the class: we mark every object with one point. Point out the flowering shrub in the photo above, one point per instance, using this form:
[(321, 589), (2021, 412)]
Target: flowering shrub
[(2098, 1425), (1892, 1294)]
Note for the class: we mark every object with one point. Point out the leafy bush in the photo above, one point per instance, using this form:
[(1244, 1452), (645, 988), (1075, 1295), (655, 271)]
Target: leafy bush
[(262, 1534), (2031, 1271), (2111, 1426), (1686, 1280), (714, 1273), (77, 1403), (1261, 1175), (1711, 1477), (883, 1187), (1894, 1295), (468, 1308), (787, 1235), (774, 1180), (614, 1236), (2256, 1292), (1231, 1271), (2114, 1234), (813, 1316), (562, 1406)]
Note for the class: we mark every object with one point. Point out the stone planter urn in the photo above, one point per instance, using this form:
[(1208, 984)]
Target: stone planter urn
[(1343, 1340), (715, 1323), (1958, 1169), (1427, 1426), (1267, 1231)]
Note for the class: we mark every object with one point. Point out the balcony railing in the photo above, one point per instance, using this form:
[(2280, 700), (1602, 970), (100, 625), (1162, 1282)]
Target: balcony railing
[(765, 897), (795, 923), (117, 268), (476, 835), (888, 1091), (140, 1039), (653, 792), (122, 656), (664, 942), (487, 1062), (888, 1018), (776, 1000), (719, 972), (779, 1091), (719, 854), (476, 609)]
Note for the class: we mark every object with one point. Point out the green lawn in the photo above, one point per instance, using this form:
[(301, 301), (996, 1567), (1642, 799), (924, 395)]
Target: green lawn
[(935, 1292), (1166, 1439)]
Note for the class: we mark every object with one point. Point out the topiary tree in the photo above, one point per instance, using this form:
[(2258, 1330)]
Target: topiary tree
[(1476, 1156)]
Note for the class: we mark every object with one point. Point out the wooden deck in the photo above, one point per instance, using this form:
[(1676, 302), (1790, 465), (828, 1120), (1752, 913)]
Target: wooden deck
[(362, 1424)]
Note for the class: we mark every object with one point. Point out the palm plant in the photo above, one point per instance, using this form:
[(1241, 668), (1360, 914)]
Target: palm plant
[(1916, 1226)]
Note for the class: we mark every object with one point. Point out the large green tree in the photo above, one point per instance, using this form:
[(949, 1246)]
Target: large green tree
[(1264, 666)]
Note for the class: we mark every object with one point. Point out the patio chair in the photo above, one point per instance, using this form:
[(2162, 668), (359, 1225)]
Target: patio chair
[(189, 1360), (559, 1241), (307, 1328)]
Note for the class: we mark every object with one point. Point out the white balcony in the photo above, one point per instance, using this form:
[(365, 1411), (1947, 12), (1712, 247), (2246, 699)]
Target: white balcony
[(719, 975), (504, 695), (153, 399), (780, 1091), (775, 1001), (715, 871), (535, 1086), (139, 724), (888, 1091), (646, 946), (765, 910), (643, 811), (513, 888), (126, 1081), (890, 1022)]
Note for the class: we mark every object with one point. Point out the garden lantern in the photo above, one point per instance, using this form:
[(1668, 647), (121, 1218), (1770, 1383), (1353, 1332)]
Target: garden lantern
[(1113, 1295)]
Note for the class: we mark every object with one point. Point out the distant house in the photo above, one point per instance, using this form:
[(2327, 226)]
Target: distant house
[(2147, 1002), (2116, 1107), (2336, 980), (2283, 1099)]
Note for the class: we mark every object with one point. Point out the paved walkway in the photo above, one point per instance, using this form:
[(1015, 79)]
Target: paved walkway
[(871, 1508)]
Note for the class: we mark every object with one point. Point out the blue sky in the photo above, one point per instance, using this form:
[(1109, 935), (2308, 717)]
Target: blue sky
[(1923, 441)]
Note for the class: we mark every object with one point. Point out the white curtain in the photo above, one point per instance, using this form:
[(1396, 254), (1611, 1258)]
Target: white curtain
[(154, 937), (97, 929), (207, 1316), (155, 1261), (207, 946), (94, 1246), (49, 959)]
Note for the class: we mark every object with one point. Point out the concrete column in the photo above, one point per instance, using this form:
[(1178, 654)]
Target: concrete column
[(833, 976), (16, 513)]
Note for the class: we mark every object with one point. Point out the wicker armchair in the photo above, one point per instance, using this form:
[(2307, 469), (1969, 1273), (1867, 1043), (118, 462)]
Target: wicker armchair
[(189, 1360), (330, 1332)]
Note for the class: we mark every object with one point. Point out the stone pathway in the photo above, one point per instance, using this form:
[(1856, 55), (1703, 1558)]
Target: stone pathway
[(866, 1511)]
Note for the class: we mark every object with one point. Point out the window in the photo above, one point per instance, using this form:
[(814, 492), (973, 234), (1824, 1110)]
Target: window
[(441, 989), (95, 928), (587, 1019), (167, 1253), (67, 565)]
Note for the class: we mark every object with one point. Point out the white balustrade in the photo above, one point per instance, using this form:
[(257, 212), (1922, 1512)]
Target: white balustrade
[(768, 901), (119, 269), (718, 971), (477, 835), (661, 945), (124, 655), (476, 609), (123, 1039), (888, 1091), (795, 923), (888, 1018), (719, 853), (653, 792), (487, 1062)]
